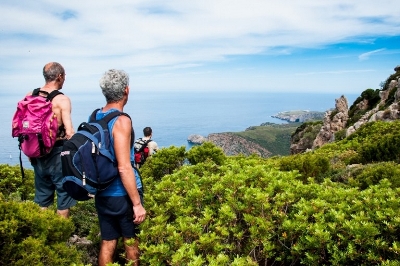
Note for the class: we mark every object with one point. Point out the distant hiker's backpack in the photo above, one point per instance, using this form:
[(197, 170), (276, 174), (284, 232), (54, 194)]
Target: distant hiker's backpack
[(141, 151), (87, 163), (35, 124)]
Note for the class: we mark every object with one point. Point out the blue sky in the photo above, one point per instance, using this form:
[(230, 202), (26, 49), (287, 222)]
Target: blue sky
[(202, 45)]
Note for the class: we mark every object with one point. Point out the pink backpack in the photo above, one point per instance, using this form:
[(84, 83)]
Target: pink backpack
[(35, 124)]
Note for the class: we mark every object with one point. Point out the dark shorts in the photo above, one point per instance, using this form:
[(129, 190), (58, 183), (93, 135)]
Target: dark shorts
[(116, 217), (48, 180)]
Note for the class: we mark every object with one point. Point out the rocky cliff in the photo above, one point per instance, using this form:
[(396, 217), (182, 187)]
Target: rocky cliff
[(371, 105), (233, 145)]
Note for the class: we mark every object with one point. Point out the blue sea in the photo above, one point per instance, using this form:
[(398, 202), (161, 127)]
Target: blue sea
[(174, 116)]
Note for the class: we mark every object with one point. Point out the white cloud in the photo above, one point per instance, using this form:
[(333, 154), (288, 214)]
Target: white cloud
[(89, 37), (365, 56)]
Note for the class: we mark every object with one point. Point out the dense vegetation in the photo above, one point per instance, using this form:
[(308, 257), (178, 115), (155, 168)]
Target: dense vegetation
[(337, 205)]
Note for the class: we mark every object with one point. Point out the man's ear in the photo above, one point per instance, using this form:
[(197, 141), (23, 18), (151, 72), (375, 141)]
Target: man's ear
[(127, 90)]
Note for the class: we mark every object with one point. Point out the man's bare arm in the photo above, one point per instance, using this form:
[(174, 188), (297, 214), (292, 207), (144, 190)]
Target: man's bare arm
[(122, 137), (65, 107)]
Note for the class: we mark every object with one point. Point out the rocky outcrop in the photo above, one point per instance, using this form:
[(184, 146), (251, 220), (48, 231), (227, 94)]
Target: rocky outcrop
[(334, 121), (196, 139), (234, 145), (381, 111), (303, 138)]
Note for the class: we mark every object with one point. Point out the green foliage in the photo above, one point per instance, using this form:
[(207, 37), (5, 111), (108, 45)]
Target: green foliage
[(31, 236), (371, 96), (202, 215), (341, 134), (308, 165), (204, 152), (306, 133), (12, 185), (164, 162), (84, 213), (342, 226), (387, 149), (248, 211), (394, 76), (372, 174)]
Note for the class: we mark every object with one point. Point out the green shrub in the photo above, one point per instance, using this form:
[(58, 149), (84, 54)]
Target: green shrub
[(307, 164), (13, 186), (31, 236), (387, 149), (164, 162), (373, 174), (204, 152), (341, 134), (247, 210)]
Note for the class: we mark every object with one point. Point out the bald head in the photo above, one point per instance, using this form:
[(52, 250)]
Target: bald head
[(52, 70)]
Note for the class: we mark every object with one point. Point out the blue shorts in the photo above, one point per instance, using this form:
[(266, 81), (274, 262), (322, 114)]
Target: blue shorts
[(116, 217), (48, 180)]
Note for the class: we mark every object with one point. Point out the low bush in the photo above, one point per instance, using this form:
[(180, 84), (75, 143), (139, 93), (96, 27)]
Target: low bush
[(31, 236)]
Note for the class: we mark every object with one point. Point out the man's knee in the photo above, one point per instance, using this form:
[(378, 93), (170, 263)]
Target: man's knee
[(132, 250), (107, 251)]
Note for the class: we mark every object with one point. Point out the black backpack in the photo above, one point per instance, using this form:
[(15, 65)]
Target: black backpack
[(87, 164), (142, 153)]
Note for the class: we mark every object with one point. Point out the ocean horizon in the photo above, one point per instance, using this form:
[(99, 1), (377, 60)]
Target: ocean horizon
[(174, 116)]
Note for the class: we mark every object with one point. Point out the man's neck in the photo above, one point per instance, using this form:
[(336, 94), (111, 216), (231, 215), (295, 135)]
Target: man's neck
[(51, 86), (119, 106)]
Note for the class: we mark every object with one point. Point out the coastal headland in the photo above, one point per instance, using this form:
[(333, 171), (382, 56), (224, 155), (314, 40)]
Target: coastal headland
[(299, 116)]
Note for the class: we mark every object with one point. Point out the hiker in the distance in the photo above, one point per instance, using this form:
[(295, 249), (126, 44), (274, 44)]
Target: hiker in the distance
[(119, 206), (144, 147), (47, 169)]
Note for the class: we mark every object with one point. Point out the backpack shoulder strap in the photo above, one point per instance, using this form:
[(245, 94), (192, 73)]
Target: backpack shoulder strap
[(53, 94), (35, 92), (109, 117), (49, 96), (93, 115), (144, 145)]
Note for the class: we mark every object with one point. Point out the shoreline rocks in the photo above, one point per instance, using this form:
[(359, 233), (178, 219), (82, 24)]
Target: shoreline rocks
[(196, 139)]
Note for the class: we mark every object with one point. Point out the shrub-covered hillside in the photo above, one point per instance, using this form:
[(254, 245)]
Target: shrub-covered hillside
[(337, 205)]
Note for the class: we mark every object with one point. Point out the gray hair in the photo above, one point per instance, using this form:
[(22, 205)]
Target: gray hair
[(113, 84), (52, 70)]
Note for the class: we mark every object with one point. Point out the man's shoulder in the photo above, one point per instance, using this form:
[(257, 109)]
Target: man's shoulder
[(152, 143), (59, 96)]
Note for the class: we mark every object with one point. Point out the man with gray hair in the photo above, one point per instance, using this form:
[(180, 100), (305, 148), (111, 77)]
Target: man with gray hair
[(119, 207)]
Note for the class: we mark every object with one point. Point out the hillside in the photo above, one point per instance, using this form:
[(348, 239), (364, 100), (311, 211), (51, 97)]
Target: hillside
[(266, 140)]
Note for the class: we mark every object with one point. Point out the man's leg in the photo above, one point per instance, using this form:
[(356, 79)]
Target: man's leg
[(64, 201), (132, 250), (107, 251), (63, 213)]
